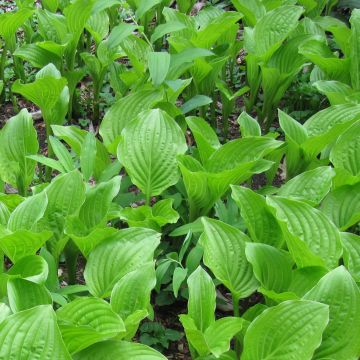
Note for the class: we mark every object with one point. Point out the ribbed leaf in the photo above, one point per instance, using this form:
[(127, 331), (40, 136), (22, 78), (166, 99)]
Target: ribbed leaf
[(28, 213), (18, 139), (119, 350), (62, 153), (355, 49), (253, 10), (48, 92), (32, 334), (342, 206), (336, 91), (248, 125), (88, 155), (325, 126), (66, 194), (122, 112), (271, 267), (24, 294), (159, 63), (132, 291), (273, 28), (311, 237), (86, 321), (32, 268), (224, 254), (10, 22), (351, 246), (22, 243), (202, 298), (206, 139), (292, 329), (340, 339), (346, 152), (124, 252), (310, 186), (261, 223), (148, 150)]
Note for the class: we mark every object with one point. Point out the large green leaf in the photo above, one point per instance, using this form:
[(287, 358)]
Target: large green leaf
[(224, 254), (119, 350), (122, 112), (148, 150), (22, 243), (10, 22), (272, 267), (49, 92), (32, 334), (346, 152), (354, 49), (351, 256), (252, 10), (292, 329), (261, 223), (132, 291), (311, 237), (125, 251), (310, 186), (202, 299), (341, 337), (24, 294), (28, 213), (271, 30), (342, 206), (86, 321), (18, 139), (206, 139)]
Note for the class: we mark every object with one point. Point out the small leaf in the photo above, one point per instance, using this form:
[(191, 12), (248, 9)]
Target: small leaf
[(159, 63), (178, 278)]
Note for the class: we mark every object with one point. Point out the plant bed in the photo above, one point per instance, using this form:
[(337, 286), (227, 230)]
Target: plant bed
[(179, 180)]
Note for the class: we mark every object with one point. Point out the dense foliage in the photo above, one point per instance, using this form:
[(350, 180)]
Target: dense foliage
[(163, 172)]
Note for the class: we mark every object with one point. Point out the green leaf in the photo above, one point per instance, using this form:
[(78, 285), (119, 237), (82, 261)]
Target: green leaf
[(219, 334), (18, 139), (125, 251), (86, 321), (48, 92), (336, 91), (167, 28), (354, 49), (312, 239), (22, 243), (272, 29), (154, 217), (122, 112), (272, 267), (32, 268), (340, 339), (32, 333), (178, 278), (132, 292), (157, 135), (194, 103), (310, 186), (260, 222), (28, 213), (24, 294), (159, 64), (342, 206), (206, 139), (346, 152), (290, 329), (88, 155), (119, 350), (54, 164), (351, 256), (253, 10), (62, 154), (66, 193), (202, 299), (10, 22), (224, 254), (248, 125)]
